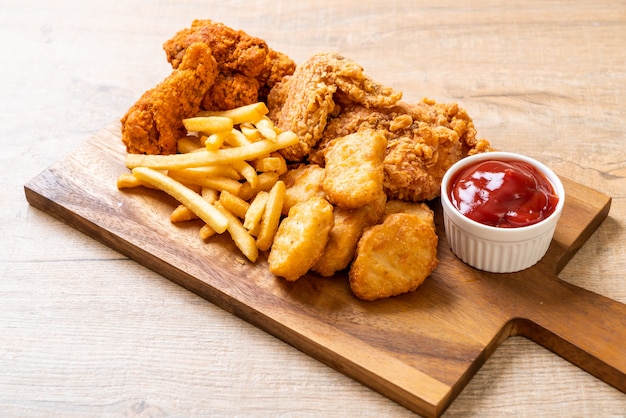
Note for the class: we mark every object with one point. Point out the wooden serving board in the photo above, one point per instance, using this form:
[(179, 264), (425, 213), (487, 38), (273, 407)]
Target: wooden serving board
[(419, 349)]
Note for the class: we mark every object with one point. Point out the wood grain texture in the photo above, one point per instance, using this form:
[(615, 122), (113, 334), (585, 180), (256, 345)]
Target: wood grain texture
[(419, 349), (85, 331)]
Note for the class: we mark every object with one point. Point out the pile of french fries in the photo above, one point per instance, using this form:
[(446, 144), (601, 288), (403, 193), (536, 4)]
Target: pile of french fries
[(226, 173)]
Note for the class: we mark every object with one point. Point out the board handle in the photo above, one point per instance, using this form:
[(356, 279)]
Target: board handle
[(583, 327)]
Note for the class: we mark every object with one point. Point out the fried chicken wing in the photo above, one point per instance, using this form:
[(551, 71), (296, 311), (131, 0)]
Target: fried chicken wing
[(231, 90), (424, 140), (354, 168), (154, 123), (241, 59), (394, 257), (301, 238), (303, 102)]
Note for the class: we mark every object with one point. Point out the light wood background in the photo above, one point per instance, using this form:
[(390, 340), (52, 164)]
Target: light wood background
[(87, 332)]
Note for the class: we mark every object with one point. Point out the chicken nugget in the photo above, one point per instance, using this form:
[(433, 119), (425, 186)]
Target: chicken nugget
[(302, 182), (394, 257), (354, 168), (422, 210), (301, 238), (343, 239)]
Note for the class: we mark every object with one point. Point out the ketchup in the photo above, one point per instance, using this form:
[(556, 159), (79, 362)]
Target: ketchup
[(505, 194)]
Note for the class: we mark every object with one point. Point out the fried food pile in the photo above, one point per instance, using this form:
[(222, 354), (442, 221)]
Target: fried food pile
[(363, 168)]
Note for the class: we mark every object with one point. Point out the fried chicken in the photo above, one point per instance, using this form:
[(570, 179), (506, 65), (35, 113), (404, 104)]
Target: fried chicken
[(154, 123), (303, 102), (394, 257), (424, 140), (344, 236), (301, 238), (354, 169), (244, 61), (231, 90)]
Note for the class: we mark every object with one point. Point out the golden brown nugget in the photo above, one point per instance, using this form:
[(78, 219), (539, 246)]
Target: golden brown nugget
[(302, 182), (301, 238), (343, 239), (354, 169), (394, 257), (422, 210)]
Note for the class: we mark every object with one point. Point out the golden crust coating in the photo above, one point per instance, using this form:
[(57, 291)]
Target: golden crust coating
[(302, 182), (249, 68), (154, 123), (343, 239), (231, 90), (424, 140), (303, 102), (301, 238), (354, 169), (421, 210), (394, 257)]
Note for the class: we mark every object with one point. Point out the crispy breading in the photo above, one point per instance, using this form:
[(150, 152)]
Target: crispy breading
[(424, 140), (354, 169), (247, 65), (394, 257), (302, 182), (303, 102), (301, 238), (422, 210), (231, 90), (155, 122), (347, 230)]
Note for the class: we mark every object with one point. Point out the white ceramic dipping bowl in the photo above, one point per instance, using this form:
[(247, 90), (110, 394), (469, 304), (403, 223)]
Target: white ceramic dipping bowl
[(494, 249)]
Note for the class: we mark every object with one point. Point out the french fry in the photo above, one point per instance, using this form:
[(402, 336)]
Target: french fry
[(215, 141), (128, 181), (208, 124), (182, 213), (234, 204), (206, 232), (250, 131), (208, 194), (222, 156), (264, 183), (271, 216), (213, 182), (241, 114), (236, 138), (272, 163), (244, 241), (207, 212), (255, 211), (247, 172), (266, 128), (188, 144), (209, 171)]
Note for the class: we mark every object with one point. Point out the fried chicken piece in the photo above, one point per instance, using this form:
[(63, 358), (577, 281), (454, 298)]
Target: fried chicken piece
[(303, 102), (154, 123), (394, 257), (302, 183), (354, 169), (424, 140), (231, 90), (240, 57), (347, 230), (301, 238), (421, 210)]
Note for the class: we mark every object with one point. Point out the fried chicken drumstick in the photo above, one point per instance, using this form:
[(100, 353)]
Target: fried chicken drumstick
[(214, 68), (154, 123)]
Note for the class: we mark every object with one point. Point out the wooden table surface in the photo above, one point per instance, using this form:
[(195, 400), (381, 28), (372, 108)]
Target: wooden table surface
[(85, 331)]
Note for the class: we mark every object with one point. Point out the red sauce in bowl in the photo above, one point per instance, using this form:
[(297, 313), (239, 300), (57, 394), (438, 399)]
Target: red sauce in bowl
[(505, 194)]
